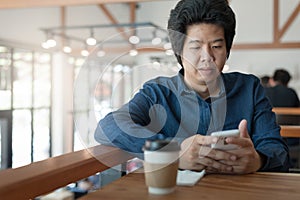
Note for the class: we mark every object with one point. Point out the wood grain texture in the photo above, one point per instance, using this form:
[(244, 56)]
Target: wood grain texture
[(212, 187), (45, 176), (288, 130), (286, 111)]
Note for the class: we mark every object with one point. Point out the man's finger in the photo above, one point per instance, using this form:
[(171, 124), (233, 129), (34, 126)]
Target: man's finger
[(243, 129), (206, 140)]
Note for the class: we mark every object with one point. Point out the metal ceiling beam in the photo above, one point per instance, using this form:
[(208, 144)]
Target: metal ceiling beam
[(95, 26), (51, 3)]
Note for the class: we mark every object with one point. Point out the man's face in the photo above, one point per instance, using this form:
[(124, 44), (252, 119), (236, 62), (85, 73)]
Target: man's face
[(204, 54)]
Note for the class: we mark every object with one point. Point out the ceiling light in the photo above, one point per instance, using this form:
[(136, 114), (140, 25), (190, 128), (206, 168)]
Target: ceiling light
[(156, 40), (118, 68), (133, 52), (101, 53), (91, 40), (156, 64), (169, 52), (168, 45), (45, 45), (67, 49), (126, 69), (84, 52), (134, 39), (51, 42)]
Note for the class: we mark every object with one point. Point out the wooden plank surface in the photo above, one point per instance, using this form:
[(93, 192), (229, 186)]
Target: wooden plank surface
[(255, 186), (286, 111), (290, 131), (45, 176)]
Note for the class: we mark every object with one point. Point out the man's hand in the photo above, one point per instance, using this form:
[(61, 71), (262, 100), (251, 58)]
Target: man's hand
[(248, 160), (196, 154)]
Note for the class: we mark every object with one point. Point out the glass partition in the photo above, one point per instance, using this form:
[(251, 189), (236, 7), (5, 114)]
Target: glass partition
[(25, 91), (5, 78), (22, 79)]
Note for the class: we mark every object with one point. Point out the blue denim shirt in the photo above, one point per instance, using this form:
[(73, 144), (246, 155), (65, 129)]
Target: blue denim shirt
[(166, 108)]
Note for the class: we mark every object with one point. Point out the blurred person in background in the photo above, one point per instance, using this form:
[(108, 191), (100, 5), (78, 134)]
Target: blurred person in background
[(280, 95), (265, 81)]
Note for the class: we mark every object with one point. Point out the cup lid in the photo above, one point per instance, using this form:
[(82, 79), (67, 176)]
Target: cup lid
[(161, 145)]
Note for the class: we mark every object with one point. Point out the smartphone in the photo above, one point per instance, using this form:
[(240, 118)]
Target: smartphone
[(222, 135)]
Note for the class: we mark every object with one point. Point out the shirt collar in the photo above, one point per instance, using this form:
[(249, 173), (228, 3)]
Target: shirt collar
[(183, 89)]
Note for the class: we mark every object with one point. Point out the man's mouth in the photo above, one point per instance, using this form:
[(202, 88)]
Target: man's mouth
[(206, 69)]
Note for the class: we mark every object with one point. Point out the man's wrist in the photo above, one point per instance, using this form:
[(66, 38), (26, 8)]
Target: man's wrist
[(263, 160)]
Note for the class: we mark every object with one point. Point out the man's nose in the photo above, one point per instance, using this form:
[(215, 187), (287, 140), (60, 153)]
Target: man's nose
[(206, 54)]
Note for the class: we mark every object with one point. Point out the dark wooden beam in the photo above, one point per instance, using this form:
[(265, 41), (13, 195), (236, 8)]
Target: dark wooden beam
[(277, 33), (285, 45), (290, 20), (133, 16), (276, 21), (113, 20)]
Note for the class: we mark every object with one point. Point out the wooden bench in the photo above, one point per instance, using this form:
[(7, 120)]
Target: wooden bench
[(288, 130), (293, 131), (48, 175)]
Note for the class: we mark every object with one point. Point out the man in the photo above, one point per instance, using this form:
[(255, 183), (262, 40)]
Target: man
[(265, 81), (200, 100), (280, 94)]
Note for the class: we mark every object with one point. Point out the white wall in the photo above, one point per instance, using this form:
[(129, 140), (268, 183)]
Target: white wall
[(264, 62), (255, 25)]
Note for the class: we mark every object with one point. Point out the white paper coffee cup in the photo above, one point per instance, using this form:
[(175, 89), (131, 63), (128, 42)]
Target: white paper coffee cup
[(161, 165)]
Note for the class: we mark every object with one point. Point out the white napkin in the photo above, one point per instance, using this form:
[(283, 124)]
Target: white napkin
[(189, 178)]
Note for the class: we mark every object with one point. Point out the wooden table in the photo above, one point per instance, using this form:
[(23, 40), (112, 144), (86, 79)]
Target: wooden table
[(260, 186)]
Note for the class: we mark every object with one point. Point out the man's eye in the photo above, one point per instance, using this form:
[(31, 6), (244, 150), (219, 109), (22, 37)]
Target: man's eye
[(217, 47), (194, 48)]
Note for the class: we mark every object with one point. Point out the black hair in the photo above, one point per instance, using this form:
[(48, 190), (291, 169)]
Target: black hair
[(282, 76), (189, 12), (265, 80)]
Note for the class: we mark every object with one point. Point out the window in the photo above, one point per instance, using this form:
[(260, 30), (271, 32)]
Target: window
[(25, 91)]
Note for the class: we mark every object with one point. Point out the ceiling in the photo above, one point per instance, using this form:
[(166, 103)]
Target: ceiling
[(47, 3), (23, 23)]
